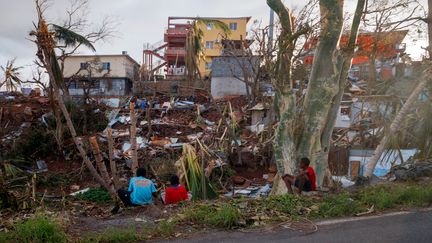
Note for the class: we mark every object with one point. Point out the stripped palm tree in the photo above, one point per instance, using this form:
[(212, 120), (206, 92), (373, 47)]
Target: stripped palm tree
[(47, 37), (11, 76), (195, 52), (59, 37)]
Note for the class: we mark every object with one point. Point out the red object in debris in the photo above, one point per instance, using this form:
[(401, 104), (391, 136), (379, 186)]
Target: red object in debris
[(175, 194)]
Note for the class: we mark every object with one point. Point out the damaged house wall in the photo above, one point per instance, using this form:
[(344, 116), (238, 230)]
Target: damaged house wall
[(113, 75), (228, 73)]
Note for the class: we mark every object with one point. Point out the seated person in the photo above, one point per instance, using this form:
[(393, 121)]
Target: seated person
[(175, 192), (304, 181), (140, 190)]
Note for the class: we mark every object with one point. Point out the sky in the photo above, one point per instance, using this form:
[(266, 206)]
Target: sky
[(138, 22)]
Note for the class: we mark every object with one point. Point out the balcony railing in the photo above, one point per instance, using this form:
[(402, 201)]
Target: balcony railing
[(175, 51), (176, 32)]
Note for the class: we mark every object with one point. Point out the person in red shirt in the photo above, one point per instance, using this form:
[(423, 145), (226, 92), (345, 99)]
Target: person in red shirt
[(304, 181), (175, 192)]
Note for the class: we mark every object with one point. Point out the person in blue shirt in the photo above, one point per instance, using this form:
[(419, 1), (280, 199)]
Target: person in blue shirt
[(140, 192)]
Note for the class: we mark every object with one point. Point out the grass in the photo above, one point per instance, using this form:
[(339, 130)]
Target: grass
[(238, 212), (391, 196), (166, 228), (338, 206), (98, 195), (224, 216), (39, 229), (113, 236), (288, 204)]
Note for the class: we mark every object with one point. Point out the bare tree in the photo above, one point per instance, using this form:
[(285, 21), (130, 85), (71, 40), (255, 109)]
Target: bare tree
[(67, 42), (396, 123), (45, 41), (382, 19)]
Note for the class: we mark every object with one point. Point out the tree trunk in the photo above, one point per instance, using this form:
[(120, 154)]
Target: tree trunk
[(113, 165), (284, 100), (429, 25), (99, 159), (133, 137), (56, 94), (309, 135), (404, 111), (322, 88)]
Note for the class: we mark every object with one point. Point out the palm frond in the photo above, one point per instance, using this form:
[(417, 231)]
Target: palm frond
[(70, 38)]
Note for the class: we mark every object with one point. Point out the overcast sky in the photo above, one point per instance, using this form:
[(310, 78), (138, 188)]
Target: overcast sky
[(140, 21)]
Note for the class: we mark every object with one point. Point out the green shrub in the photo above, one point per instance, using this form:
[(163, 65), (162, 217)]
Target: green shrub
[(36, 142), (99, 195), (288, 203), (166, 228), (339, 205), (390, 196), (226, 216), (223, 216), (40, 229)]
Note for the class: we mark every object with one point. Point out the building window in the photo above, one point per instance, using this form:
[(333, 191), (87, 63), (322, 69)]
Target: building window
[(209, 26), (208, 65), (72, 85), (83, 65), (105, 66), (233, 26), (209, 44)]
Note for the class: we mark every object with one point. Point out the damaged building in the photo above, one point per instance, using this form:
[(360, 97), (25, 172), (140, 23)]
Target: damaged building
[(100, 75)]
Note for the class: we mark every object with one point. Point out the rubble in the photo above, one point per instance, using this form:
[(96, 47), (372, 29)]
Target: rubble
[(412, 170)]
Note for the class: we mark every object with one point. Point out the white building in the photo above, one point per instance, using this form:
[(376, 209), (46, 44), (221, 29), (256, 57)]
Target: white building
[(100, 75)]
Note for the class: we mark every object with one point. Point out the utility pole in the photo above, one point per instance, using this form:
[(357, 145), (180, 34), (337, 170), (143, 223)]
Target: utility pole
[(270, 34)]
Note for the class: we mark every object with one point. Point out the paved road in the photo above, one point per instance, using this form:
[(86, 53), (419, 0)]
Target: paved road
[(403, 227)]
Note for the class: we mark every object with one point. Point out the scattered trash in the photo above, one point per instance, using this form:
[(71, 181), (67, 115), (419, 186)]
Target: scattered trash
[(79, 192), (42, 166)]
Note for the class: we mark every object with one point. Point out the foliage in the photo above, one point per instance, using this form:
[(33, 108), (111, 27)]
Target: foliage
[(166, 228), (194, 42), (99, 195), (113, 236), (11, 76), (222, 216), (339, 205), (84, 118), (52, 180), (385, 196), (35, 143), (288, 203), (40, 229), (70, 38), (196, 181)]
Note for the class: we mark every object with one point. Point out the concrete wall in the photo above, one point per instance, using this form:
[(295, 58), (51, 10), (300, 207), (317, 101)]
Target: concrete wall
[(228, 66), (225, 86), (107, 87), (120, 66)]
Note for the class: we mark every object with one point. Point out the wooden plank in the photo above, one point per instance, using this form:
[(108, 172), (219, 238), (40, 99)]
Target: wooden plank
[(354, 169)]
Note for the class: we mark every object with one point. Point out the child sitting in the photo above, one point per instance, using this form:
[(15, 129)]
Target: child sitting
[(175, 192)]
